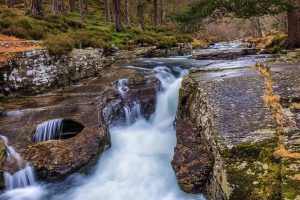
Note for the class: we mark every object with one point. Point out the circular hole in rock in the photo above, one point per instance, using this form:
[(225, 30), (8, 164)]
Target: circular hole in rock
[(57, 129)]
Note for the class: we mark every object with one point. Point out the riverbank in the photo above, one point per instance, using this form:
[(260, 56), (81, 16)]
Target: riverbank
[(241, 127), (224, 130)]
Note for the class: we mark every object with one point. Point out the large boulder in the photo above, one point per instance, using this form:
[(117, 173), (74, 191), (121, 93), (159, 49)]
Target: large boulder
[(223, 118)]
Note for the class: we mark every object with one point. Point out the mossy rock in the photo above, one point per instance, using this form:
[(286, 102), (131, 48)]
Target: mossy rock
[(253, 171)]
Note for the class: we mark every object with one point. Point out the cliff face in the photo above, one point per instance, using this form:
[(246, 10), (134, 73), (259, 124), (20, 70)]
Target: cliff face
[(36, 71), (230, 145)]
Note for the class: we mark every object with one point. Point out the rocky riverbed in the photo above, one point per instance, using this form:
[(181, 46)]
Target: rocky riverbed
[(237, 126)]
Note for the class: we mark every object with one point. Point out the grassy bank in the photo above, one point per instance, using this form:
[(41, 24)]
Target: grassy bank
[(63, 33)]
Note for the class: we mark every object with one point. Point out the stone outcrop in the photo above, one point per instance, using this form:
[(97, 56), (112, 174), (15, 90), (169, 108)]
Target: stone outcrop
[(232, 136), (218, 54), (36, 71), (95, 104)]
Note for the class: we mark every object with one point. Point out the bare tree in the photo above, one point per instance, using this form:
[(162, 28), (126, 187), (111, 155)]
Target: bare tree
[(83, 8), (36, 7), (127, 16), (140, 14), (256, 27), (57, 7), (72, 4), (155, 13), (117, 9), (10, 3), (107, 10), (161, 12)]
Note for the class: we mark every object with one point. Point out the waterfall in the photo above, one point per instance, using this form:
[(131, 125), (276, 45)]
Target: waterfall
[(138, 165), (132, 114), (123, 86), (24, 177), (21, 179), (48, 130)]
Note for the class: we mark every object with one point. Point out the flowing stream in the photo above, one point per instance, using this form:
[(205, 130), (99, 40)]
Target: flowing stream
[(138, 165)]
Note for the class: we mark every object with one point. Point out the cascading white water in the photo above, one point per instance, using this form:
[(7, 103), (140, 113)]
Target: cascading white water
[(22, 178), (123, 86), (138, 166), (48, 130), (132, 113)]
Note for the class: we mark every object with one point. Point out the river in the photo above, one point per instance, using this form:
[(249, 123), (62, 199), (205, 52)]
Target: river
[(138, 165)]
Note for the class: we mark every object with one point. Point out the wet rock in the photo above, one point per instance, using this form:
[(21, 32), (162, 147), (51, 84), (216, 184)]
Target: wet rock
[(236, 132), (95, 104), (181, 50), (36, 71), (2, 111), (211, 54), (2, 161)]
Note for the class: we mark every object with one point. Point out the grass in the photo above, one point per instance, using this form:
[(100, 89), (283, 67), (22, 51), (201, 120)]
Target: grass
[(63, 33)]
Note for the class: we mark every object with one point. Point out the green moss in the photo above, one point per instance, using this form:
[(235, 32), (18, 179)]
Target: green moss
[(290, 186), (277, 44), (253, 171)]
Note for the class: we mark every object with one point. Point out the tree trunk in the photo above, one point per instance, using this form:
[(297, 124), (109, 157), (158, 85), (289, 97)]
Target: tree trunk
[(107, 11), (117, 9), (155, 18), (127, 17), (256, 27), (26, 4), (57, 7), (161, 12), (293, 40), (36, 7), (72, 4), (83, 8), (140, 16), (293, 29), (10, 3)]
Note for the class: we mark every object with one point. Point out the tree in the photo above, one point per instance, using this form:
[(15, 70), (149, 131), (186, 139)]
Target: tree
[(141, 5), (72, 5), (127, 17), (117, 9), (10, 3), (36, 7), (161, 12), (83, 8), (293, 40), (57, 7), (246, 9), (155, 13), (256, 27), (107, 10)]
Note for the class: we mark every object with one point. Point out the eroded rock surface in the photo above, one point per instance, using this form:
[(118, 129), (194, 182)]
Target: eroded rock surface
[(95, 104), (223, 122), (211, 54)]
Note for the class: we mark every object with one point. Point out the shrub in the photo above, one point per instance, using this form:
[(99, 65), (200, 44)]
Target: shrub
[(59, 44), (277, 43), (166, 42), (145, 39)]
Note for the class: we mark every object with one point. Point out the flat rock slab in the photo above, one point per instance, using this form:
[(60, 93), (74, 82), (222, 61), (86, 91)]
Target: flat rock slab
[(210, 54), (222, 117)]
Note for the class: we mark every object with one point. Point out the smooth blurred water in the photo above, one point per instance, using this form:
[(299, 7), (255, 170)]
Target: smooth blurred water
[(138, 165)]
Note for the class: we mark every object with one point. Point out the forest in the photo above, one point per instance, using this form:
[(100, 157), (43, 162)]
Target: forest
[(149, 99)]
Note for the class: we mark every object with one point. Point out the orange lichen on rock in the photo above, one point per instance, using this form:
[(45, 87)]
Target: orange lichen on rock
[(271, 100), (282, 152)]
